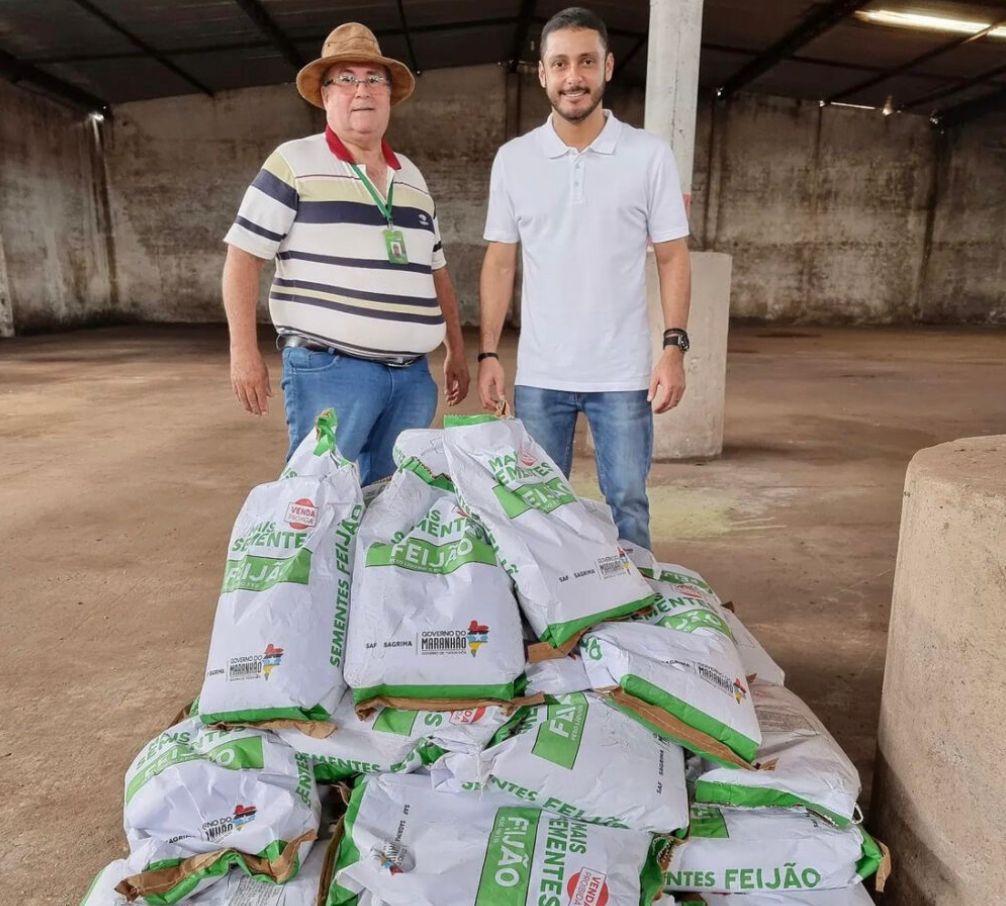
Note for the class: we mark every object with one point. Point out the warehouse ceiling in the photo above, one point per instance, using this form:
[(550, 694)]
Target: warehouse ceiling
[(95, 54)]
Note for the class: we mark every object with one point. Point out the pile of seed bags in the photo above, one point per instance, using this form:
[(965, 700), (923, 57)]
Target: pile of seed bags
[(459, 688)]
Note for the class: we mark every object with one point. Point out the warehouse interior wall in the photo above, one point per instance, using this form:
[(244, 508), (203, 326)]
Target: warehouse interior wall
[(832, 215), (57, 257)]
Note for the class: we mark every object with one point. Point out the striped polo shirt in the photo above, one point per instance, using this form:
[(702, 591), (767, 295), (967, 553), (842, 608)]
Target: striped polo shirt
[(308, 209)]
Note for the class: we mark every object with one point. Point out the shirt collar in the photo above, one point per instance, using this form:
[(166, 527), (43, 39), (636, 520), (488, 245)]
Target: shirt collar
[(553, 146), (336, 146)]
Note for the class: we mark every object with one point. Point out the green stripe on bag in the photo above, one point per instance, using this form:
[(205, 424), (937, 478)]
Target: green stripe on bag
[(560, 734), (737, 796), (262, 573), (506, 871)]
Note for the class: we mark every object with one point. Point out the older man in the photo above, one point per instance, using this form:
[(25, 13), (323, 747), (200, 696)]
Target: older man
[(361, 292)]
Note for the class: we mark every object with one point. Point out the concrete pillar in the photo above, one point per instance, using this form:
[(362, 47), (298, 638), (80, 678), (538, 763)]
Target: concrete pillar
[(939, 790), (672, 79), (695, 428), (6, 305)]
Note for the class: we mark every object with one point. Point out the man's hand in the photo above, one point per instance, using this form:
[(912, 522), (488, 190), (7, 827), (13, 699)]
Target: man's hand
[(250, 380), (456, 378), (667, 385), (491, 385)]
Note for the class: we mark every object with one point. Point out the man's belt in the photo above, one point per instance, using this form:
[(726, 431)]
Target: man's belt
[(292, 339), (284, 340)]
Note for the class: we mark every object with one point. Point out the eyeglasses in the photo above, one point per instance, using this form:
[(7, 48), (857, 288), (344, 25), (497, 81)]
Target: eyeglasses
[(349, 82)]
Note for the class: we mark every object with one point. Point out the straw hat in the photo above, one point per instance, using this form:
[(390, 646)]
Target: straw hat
[(353, 43)]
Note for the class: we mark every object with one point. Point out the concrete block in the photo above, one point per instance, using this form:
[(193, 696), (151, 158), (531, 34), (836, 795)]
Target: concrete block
[(694, 429), (939, 791)]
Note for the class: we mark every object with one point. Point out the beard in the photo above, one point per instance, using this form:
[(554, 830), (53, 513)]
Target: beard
[(578, 115)]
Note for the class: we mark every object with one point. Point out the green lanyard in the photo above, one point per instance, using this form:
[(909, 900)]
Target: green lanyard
[(385, 209)]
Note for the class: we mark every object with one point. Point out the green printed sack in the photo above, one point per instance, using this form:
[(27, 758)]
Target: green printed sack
[(690, 600), (407, 845), (278, 638), (578, 756), (563, 555), (774, 850), (687, 686), (434, 618), (235, 889), (800, 764), (199, 802), (390, 740), (557, 676), (846, 896)]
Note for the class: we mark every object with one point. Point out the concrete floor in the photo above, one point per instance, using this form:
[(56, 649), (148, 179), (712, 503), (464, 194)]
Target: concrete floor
[(125, 459)]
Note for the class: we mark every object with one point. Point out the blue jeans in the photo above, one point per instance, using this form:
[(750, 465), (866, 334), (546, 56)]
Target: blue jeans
[(373, 402), (621, 423)]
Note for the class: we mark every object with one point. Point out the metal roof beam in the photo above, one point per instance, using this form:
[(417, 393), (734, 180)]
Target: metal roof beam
[(143, 45), (962, 85), (524, 20), (254, 10), (15, 70), (911, 64), (971, 110), (413, 62), (825, 17), (628, 58)]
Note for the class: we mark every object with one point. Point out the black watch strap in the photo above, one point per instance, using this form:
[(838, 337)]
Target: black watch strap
[(487, 355), (677, 336)]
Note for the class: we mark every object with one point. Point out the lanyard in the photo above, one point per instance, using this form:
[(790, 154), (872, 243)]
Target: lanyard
[(385, 209)]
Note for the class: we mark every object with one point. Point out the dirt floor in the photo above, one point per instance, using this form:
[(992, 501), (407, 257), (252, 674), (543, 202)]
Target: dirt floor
[(125, 458)]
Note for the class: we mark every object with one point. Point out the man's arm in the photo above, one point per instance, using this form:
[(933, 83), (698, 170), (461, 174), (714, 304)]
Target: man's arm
[(667, 384), (495, 290), (249, 374), (456, 377)]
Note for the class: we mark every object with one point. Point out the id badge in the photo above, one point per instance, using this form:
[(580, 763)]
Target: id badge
[(394, 242)]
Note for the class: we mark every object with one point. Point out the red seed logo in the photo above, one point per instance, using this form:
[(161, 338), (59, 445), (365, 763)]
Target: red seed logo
[(302, 514), (527, 459), (588, 888), (469, 716)]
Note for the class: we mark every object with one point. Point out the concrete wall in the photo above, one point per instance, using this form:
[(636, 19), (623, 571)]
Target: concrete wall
[(965, 272), (835, 216), (55, 247), (824, 210), (178, 168)]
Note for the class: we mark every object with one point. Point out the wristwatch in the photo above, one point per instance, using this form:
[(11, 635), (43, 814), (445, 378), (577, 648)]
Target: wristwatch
[(677, 336)]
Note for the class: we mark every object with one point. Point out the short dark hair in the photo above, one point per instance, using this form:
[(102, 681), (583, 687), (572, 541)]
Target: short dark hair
[(574, 17)]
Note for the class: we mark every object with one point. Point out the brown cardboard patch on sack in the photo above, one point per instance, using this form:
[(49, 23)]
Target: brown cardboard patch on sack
[(316, 729), (365, 708), (545, 651), (152, 883), (885, 869), (677, 730), (327, 871), (184, 714)]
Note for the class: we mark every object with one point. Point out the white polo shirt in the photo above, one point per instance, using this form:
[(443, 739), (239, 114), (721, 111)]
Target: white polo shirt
[(583, 219)]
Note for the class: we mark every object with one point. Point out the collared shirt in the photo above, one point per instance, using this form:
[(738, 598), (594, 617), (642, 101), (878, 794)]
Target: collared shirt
[(309, 209), (583, 219)]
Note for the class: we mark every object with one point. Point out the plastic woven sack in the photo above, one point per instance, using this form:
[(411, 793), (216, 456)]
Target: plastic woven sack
[(199, 802), (434, 618), (800, 764), (846, 896), (391, 740), (687, 686), (279, 633), (773, 850), (563, 555), (578, 756), (410, 846)]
